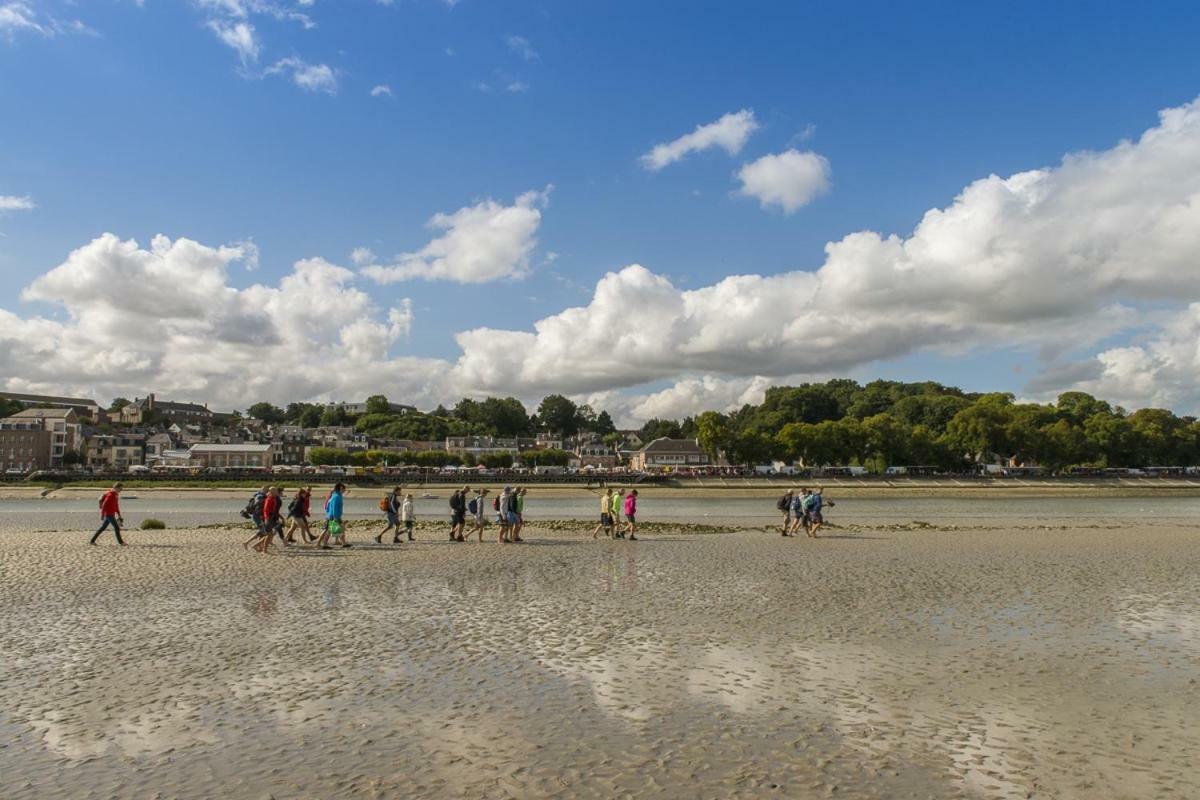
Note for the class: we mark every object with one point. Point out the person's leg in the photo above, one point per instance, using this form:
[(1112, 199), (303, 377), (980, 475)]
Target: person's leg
[(633, 529), (103, 524), (117, 531)]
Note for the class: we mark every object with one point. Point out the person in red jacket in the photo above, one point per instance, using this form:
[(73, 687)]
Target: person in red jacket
[(110, 513), (272, 523)]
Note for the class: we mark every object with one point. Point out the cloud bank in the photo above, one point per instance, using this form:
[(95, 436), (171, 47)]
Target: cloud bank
[(1053, 260)]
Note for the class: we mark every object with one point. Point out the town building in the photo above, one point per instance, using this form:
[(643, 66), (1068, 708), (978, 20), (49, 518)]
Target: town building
[(356, 409), (472, 447), (288, 444), (61, 424), (116, 452), (231, 456), (664, 453), (341, 437), (82, 408), (24, 449), (183, 413), (156, 445), (594, 455)]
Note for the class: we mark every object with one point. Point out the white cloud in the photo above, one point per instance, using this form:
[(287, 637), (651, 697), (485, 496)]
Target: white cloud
[(240, 37), (517, 87), (166, 318), (1069, 254), (310, 77), (790, 179), (1094, 249), (19, 17), (361, 256), (729, 133), (382, 90), (10, 202), (520, 45), (484, 242), (16, 17)]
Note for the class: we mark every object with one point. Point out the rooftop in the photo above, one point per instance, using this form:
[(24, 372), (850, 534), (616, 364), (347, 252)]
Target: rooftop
[(44, 413), (230, 448), (41, 398), (665, 445)]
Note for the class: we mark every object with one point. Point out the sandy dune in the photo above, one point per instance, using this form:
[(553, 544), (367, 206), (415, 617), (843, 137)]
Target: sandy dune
[(997, 663)]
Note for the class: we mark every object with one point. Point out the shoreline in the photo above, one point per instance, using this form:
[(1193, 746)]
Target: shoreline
[(835, 488)]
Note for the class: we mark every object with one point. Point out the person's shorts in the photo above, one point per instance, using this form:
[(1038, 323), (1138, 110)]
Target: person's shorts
[(815, 518), (479, 519), (393, 520), (513, 518), (606, 519), (458, 517), (630, 519), (408, 523)]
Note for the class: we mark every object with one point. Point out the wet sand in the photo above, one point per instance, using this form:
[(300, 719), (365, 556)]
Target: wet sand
[(875, 663)]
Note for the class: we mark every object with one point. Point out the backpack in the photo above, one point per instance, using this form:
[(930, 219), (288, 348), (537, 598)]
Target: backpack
[(496, 503), (294, 506), (473, 506), (453, 501), (383, 504), (782, 504)]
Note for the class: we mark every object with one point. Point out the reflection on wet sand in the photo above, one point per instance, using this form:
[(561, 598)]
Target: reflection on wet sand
[(931, 664)]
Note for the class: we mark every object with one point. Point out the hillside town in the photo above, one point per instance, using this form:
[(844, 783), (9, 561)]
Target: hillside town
[(838, 429), (150, 435)]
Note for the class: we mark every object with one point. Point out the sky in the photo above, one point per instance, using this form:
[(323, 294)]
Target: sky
[(658, 208)]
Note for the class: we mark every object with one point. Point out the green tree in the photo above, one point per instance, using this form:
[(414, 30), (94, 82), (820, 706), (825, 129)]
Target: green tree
[(659, 428), (378, 404), (272, 415), (1112, 438), (547, 457), (604, 424), (887, 439), (117, 404), (502, 460), (334, 416), (1078, 406), (557, 413), (713, 433)]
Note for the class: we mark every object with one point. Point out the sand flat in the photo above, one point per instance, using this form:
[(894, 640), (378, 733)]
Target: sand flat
[(996, 663)]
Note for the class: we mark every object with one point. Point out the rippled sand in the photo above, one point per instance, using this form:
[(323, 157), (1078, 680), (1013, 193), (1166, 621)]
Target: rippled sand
[(997, 663)]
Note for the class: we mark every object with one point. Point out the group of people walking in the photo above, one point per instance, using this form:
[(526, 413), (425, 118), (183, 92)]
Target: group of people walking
[(613, 503), (802, 509)]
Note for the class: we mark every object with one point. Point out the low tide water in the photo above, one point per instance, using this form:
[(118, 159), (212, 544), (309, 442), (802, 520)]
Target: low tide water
[(58, 514)]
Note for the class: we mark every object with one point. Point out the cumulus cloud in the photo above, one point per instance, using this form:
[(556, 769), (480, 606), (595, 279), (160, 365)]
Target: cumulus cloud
[(484, 242), (790, 179), (361, 256), (1053, 260), (1072, 253), (382, 90), (10, 202), (166, 318), (310, 77), (729, 133)]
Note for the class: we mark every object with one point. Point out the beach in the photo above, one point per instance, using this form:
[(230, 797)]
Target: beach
[(991, 660)]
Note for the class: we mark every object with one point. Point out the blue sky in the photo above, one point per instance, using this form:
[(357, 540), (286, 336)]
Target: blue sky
[(138, 120)]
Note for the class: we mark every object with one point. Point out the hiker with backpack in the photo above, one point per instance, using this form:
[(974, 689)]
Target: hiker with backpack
[(784, 506), (605, 523), (272, 523), (799, 518), (253, 512), (390, 505), (476, 509), (298, 511)]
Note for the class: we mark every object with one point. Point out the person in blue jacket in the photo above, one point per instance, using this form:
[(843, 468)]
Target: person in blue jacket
[(333, 519)]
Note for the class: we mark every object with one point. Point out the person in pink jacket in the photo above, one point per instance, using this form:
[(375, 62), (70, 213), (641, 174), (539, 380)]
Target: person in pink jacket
[(631, 514)]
